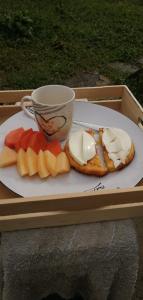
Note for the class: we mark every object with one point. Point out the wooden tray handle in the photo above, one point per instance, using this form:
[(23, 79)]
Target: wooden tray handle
[(140, 123)]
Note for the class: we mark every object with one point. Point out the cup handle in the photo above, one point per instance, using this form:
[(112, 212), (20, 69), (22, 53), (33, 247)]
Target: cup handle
[(28, 113)]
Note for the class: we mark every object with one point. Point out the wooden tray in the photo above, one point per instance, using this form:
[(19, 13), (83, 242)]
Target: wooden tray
[(21, 213)]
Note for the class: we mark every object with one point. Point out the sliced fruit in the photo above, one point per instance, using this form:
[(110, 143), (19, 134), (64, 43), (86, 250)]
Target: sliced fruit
[(54, 147), (32, 162), (22, 162), (13, 137), (34, 143), (50, 162), (38, 141), (42, 168), (42, 141), (62, 163), (25, 137), (24, 141), (8, 157)]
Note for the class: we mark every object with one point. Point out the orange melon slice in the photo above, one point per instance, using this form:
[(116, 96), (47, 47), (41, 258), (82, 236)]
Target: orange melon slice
[(62, 163), (50, 162), (42, 168), (8, 157), (32, 162), (22, 166)]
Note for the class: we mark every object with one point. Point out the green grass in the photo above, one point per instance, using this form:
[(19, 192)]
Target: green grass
[(64, 37)]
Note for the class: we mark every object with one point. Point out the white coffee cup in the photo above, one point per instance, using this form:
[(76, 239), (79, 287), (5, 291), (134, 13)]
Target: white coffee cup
[(53, 110)]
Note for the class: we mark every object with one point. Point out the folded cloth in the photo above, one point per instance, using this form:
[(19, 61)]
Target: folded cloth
[(97, 260)]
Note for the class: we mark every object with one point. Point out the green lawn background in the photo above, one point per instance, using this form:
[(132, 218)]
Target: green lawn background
[(49, 41)]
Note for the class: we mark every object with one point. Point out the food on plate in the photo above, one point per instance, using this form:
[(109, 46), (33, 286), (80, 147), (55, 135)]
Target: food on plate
[(50, 162), (112, 150), (82, 146), (118, 147), (91, 131), (54, 147), (62, 163), (32, 162), (21, 138), (23, 141), (38, 141), (8, 157), (35, 142), (82, 154), (42, 168), (13, 137), (22, 165), (118, 151), (45, 163)]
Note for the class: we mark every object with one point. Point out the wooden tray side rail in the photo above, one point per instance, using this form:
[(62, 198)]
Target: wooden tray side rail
[(20, 213), (131, 109), (70, 202), (116, 97), (64, 218), (110, 96), (93, 93), (13, 96)]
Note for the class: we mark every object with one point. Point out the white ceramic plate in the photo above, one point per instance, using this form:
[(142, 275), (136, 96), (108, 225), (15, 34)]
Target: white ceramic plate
[(74, 181)]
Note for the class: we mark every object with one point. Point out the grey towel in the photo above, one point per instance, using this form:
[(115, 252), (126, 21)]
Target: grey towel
[(96, 260)]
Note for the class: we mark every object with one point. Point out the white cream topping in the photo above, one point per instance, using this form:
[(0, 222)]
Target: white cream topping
[(82, 146), (118, 144), (88, 146)]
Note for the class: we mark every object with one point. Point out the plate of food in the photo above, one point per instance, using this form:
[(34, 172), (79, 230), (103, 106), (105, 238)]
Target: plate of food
[(109, 157)]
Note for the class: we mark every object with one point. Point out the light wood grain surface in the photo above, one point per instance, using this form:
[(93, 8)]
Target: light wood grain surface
[(21, 213)]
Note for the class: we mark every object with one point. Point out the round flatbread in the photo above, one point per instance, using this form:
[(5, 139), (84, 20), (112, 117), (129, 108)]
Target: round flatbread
[(93, 167), (109, 162)]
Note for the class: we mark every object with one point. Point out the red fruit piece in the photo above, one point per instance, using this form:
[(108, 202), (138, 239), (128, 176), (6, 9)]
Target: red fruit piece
[(38, 142), (34, 142), (54, 147), (24, 142), (13, 137), (20, 143), (42, 141)]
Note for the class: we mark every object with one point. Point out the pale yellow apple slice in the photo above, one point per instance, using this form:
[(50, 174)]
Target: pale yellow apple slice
[(42, 168), (22, 165), (50, 162), (62, 163), (8, 157), (32, 161)]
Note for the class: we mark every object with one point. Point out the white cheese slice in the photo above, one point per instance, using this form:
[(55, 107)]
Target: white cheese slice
[(76, 147), (108, 136), (89, 149), (115, 158), (82, 146), (114, 146), (118, 144)]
